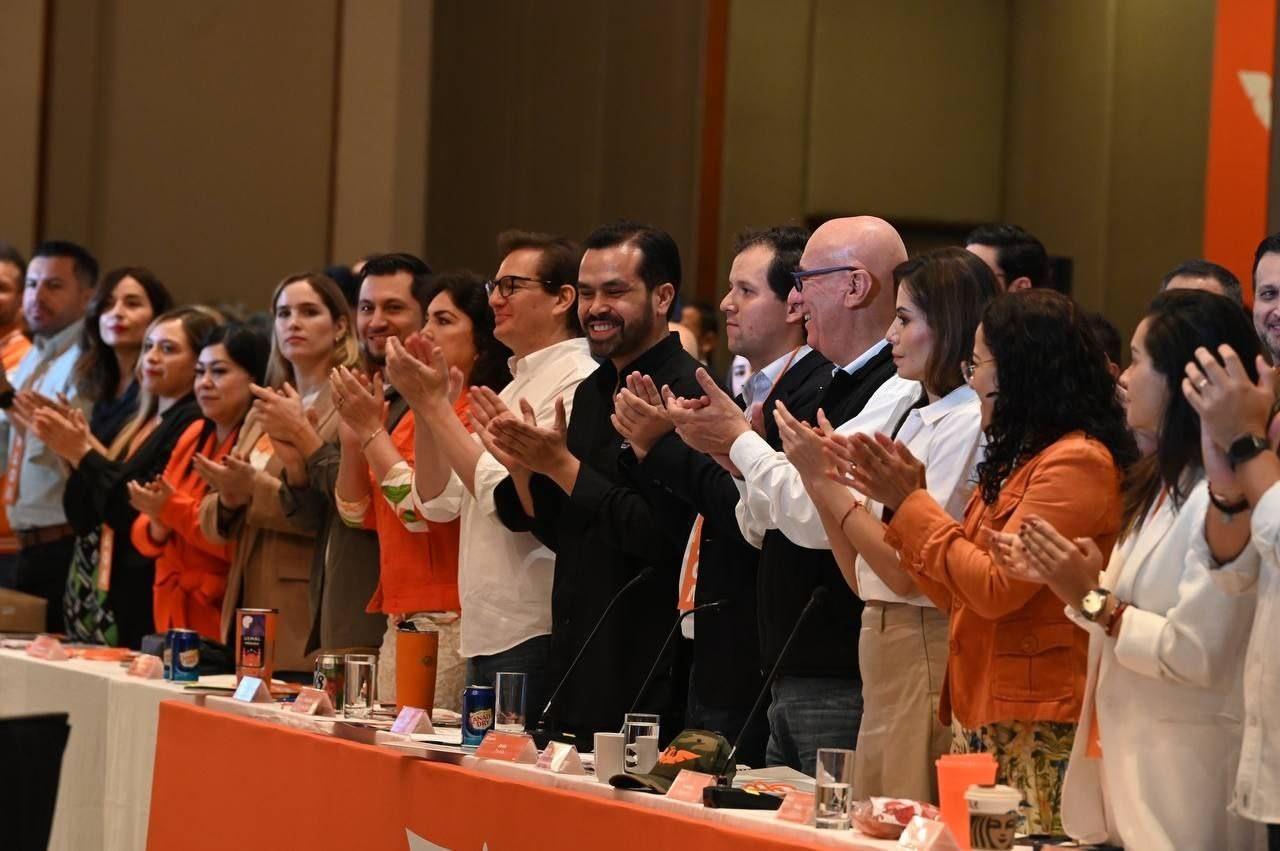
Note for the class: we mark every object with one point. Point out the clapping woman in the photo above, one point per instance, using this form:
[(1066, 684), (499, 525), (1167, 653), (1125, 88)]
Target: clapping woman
[(902, 647), (1160, 733), (1056, 449), (191, 570)]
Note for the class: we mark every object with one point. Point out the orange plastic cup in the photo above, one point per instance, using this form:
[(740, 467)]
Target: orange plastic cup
[(956, 773), (416, 669)]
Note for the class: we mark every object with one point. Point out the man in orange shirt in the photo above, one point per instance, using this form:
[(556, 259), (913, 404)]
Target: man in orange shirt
[(14, 344)]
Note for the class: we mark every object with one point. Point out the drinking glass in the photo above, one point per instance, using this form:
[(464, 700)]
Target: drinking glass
[(509, 715), (833, 791), (641, 736), (361, 684)]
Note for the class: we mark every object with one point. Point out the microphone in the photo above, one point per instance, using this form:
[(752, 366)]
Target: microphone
[(721, 794), (717, 604), (541, 735)]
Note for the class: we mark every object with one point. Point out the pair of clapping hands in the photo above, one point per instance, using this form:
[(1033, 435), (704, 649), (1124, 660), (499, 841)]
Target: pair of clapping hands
[(59, 425)]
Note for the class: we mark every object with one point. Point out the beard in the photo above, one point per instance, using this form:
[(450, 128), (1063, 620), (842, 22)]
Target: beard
[(628, 341)]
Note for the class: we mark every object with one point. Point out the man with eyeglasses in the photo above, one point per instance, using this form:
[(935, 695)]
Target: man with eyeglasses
[(844, 290), (504, 577)]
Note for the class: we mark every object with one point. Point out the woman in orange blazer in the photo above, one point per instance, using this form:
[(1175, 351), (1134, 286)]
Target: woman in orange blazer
[(1056, 447), (191, 570)]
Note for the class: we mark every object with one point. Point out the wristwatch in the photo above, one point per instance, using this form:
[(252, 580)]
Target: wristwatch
[(1094, 604), (1246, 447)]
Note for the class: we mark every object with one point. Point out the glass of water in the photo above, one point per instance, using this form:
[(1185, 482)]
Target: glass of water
[(641, 742), (360, 687), (833, 791), (509, 713)]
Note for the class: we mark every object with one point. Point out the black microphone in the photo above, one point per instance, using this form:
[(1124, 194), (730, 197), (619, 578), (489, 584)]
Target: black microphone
[(721, 794), (717, 604), (541, 735)]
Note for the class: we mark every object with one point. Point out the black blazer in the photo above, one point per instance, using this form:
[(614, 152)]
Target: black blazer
[(727, 670)]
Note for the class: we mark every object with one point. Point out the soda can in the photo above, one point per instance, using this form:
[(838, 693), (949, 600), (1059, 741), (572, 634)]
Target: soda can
[(256, 643), (477, 714), (329, 676), (182, 655)]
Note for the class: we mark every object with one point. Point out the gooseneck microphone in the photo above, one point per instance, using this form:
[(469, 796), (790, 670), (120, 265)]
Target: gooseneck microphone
[(721, 794), (541, 735), (717, 604)]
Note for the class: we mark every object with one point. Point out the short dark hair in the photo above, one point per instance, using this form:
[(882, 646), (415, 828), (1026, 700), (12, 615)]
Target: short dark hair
[(84, 263), (247, 347), (467, 290), (9, 254), (787, 242), (659, 254), (346, 280), (1270, 245), (399, 261), (558, 260), (1207, 269), (1107, 335), (951, 287), (1018, 253), (707, 321)]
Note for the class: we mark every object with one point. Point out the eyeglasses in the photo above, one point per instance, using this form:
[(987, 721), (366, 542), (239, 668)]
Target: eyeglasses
[(507, 286), (801, 275), (969, 367)]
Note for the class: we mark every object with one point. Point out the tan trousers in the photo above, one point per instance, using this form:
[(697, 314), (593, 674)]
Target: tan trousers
[(902, 651), (451, 668)]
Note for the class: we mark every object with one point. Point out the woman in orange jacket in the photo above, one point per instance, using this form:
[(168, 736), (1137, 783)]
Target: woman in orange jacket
[(1056, 448), (191, 571)]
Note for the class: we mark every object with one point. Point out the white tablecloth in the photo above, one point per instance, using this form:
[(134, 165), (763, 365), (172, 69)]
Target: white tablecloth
[(104, 794)]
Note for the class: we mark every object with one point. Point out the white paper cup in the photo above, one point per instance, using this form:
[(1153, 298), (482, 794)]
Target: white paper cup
[(994, 813), (609, 755)]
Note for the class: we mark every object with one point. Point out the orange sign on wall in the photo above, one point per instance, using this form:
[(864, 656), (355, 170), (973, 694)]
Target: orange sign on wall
[(1235, 216)]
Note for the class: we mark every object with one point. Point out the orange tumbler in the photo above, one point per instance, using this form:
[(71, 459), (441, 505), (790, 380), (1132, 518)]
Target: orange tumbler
[(416, 668), (956, 773)]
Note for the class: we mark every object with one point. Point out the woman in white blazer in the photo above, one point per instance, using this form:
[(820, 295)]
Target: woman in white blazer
[(1155, 754)]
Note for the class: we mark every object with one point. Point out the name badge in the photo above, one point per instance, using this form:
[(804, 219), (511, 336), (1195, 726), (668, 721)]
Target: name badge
[(508, 747), (146, 666), (252, 690), (48, 648), (412, 719), (797, 807), (561, 758), (688, 786), (313, 701)]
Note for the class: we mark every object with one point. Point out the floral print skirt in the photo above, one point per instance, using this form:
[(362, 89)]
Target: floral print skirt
[(1031, 757)]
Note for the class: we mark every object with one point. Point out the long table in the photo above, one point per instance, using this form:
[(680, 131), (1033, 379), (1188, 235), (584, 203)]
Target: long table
[(104, 793), (225, 780)]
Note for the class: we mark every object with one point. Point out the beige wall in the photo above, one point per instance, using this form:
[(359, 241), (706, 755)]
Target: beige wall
[(21, 70)]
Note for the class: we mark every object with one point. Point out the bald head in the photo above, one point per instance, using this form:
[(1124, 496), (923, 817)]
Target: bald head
[(848, 311)]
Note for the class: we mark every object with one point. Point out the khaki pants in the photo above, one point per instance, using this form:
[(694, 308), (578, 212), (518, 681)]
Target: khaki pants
[(902, 651), (451, 668)]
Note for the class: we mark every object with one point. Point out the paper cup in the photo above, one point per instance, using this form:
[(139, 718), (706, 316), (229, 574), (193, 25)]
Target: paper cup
[(994, 813)]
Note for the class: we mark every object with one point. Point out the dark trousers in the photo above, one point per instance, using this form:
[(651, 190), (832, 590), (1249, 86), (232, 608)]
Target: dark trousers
[(728, 722), (1273, 837), (42, 572), (528, 657), (8, 564)]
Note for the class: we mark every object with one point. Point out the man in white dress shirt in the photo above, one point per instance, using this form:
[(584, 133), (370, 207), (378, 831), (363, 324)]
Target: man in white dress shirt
[(504, 577)]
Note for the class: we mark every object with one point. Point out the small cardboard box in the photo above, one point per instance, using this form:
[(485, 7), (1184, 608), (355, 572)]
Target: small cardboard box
[(21, 612)]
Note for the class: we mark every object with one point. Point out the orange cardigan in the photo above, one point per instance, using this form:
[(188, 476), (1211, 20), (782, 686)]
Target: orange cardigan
[(418, 571), (191, 572), (1014, 655)]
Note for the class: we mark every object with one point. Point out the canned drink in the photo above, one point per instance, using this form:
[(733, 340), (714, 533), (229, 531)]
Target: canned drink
[(255, 643), (477, 713), (182, 655), (329, 677)]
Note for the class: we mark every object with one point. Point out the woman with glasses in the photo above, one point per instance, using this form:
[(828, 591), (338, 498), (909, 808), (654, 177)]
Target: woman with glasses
[(902, 647), (1160, 731), (1057, 446)]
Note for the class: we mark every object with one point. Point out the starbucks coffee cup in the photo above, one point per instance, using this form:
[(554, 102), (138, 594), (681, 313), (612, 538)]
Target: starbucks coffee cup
[(994, 813)]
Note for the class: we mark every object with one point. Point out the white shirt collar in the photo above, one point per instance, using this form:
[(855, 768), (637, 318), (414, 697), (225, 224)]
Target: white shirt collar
[(768, 376), (862, 359), (548, 353), (935, 411)]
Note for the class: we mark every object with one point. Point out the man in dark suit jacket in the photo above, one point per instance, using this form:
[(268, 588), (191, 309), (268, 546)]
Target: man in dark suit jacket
[(720, 565), (844, 291)]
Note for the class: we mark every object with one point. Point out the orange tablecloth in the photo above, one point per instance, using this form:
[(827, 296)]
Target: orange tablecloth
[(223, 781)]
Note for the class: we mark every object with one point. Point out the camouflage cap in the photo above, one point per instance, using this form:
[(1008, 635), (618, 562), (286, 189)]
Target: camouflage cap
[(696, 750)]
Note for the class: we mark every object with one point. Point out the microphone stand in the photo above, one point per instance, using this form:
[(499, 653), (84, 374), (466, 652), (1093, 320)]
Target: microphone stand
[(635, 704)]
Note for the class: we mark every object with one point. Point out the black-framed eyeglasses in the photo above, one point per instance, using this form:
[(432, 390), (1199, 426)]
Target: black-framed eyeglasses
[(969, 367), (507, 284), (801, 275)]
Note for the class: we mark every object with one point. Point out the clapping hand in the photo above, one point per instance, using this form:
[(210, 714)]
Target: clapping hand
[(360, 402), (1230, 405), (486, 408), (538, 448), (67, 434), (151, 498), (283, 417), (710, 423), (881, 468), (639, 415), (232, 478), (805, 445), (419, 370), (1070, 568)]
